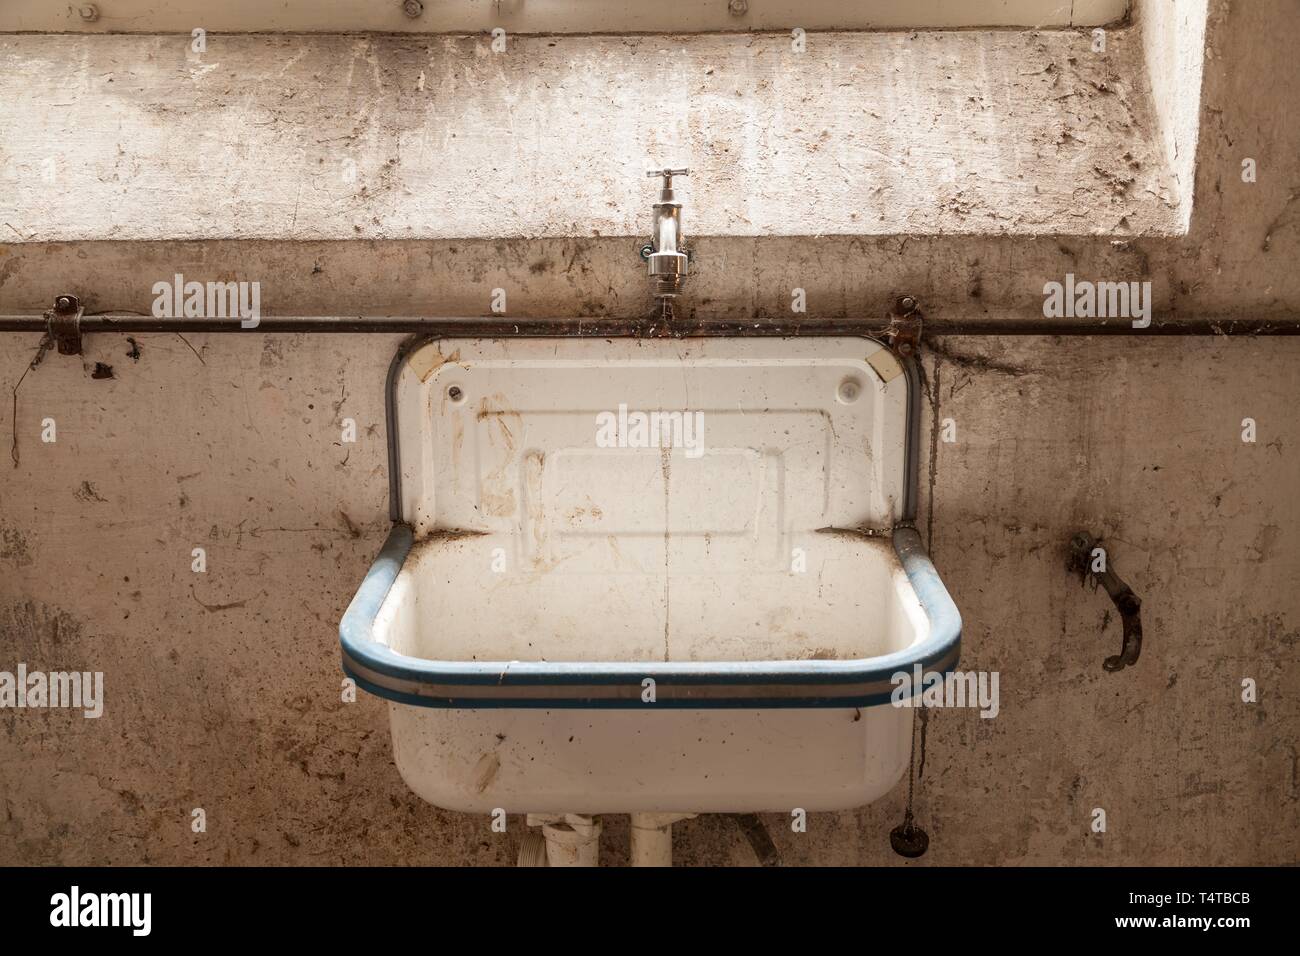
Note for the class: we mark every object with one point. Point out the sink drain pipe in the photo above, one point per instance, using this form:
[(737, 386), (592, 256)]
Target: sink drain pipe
[(570, 839), (572, 844), (573, 839), (652, 837)]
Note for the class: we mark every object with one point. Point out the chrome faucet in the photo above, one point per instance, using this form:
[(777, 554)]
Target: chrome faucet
[(668, 263)]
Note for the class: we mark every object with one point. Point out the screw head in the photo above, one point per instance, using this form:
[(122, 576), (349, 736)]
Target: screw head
[(65, 303), (738, 8), (412, 8), (456, 394), (89, 12), (848, 391), (906, 304)]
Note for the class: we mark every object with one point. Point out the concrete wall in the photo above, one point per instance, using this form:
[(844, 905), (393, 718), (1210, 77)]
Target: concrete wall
[(223, 688), (345, 138)]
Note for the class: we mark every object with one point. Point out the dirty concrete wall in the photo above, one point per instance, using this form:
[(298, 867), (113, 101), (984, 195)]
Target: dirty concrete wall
[(967, 230), (318, 138), (223, 688)]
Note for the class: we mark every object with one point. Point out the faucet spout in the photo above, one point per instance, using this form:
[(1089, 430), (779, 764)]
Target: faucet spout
[(667, 261)]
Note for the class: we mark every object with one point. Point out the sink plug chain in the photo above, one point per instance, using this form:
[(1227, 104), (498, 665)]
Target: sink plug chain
[(907, 838)]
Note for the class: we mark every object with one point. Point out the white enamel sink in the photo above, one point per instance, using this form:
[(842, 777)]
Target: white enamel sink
[(573, 615)]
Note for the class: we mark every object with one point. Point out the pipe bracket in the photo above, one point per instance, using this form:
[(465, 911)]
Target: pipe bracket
[(63, 324), (904, 330)]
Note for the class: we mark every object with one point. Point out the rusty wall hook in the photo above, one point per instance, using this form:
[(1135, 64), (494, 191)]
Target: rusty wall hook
[(1081, 561)]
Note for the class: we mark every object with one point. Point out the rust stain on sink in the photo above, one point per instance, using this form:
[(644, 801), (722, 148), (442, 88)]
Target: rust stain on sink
[(496, 494), (427, 361)]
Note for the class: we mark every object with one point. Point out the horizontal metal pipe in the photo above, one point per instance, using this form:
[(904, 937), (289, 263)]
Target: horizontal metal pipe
[(1170, 326), (603, 326)]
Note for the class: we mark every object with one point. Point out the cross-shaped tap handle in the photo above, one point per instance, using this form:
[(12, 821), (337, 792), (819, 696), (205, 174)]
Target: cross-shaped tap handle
[(668, 174)]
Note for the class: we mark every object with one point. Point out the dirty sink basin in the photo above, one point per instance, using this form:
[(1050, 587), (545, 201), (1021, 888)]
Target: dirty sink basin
[(585, 609)]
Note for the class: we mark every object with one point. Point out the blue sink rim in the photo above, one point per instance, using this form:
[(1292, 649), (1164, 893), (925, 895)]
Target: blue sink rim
[(865, 682)]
